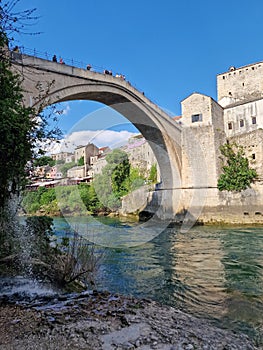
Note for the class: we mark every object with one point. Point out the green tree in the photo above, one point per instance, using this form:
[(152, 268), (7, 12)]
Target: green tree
[(153, 174), (135, 180), (119, 164), (237, 174), (16, 128), (89, 197), (81, 161), (111, 184), (84, 192), (48, 196), (22, 128), (116, 157), (120, 173), (31, 202), (103, 189), (44, 160), (94, 203)]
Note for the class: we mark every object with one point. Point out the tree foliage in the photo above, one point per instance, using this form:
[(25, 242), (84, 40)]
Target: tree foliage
[(69, 263), (111, 184), (44, 160), (22, 128), (119, 162), (16, 127), (81, 161), (13, 21), (153, 174), (67, 199), (237, 174)]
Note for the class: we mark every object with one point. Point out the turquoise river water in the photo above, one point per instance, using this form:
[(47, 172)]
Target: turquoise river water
[(211, 272)]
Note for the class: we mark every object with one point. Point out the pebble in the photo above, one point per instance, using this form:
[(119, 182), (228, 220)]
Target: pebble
[(189, 347), (15, 321), (69, 323)]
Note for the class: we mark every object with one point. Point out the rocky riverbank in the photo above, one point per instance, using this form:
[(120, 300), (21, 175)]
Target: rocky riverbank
[(103, 321)]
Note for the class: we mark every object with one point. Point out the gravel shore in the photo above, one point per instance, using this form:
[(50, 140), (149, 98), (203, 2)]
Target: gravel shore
[(103, 321)]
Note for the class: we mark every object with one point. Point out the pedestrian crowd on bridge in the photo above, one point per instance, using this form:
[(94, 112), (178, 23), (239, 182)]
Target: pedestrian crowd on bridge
[(89, 68)]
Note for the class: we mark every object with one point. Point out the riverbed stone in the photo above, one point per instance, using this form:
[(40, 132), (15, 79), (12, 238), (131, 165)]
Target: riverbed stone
[(106, 322)]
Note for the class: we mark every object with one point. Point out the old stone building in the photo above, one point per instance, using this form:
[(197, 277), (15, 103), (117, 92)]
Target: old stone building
[(138, 150), (236, 116), (77, 172), (64, 156), (98, 162), (140, 154), (88, 153)]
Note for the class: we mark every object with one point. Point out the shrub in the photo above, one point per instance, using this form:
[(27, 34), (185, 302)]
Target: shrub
[(237, 174)]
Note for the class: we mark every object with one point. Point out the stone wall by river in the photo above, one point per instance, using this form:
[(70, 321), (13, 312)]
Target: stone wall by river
[(208, 206)]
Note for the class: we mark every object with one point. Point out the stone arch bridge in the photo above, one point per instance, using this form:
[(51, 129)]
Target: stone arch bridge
[(46, 82)]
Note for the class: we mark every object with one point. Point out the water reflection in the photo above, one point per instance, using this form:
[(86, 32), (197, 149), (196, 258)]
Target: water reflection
[(198, 265), (209, 271), (243, 264)]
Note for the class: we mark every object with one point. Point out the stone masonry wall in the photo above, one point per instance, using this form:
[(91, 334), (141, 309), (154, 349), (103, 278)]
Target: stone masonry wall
[(253, 147), (242, 84), (243, 118)]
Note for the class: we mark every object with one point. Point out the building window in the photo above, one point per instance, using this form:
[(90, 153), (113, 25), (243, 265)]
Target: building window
[(253, 156), (230, 126), (197, 118), (241, 123), (254, 120)]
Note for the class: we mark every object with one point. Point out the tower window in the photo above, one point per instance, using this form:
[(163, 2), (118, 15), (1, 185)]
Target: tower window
[(197, 118), (254, 120), (230, 126), (253, 156), (241, 123)]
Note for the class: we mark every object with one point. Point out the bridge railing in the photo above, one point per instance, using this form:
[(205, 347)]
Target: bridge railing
[(78, 64), (69, 61)]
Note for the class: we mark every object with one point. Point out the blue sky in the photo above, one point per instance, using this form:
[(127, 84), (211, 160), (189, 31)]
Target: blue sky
[(168, 49)]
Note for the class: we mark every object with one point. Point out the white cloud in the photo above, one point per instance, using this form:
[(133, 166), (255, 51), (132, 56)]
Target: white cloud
[(100, 138)]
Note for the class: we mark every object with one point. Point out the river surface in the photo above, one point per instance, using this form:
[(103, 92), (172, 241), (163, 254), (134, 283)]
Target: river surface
[(211, 272)]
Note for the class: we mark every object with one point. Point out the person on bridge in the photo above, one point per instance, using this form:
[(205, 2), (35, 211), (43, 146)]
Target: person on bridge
[(108, 72), (61, 61), (89, 67), (54, 59)]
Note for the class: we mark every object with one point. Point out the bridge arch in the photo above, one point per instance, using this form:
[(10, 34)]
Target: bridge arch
[(46, 83)]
